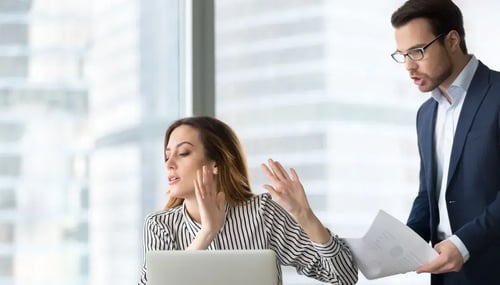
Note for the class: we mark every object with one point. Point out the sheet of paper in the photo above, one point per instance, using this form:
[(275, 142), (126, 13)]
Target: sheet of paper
[(389, 247)]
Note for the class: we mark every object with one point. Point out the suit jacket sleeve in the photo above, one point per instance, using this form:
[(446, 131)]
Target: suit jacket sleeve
[(419, 219)]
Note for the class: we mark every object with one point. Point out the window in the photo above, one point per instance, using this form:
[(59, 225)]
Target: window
[(6, 266), (10, 165), (6, 233), (9, 199), (101, 81)]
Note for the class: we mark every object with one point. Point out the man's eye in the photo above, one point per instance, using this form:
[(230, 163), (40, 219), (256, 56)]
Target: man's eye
[(415, 53)]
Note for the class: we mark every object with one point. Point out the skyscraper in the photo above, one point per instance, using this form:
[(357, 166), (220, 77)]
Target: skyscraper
[(133, 78), (43, 154), (300, 85)]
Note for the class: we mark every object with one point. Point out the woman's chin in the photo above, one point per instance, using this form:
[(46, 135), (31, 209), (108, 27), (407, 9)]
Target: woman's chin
[(175, 193)]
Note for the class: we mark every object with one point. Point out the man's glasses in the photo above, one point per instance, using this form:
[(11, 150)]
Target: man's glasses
[(414, 53)]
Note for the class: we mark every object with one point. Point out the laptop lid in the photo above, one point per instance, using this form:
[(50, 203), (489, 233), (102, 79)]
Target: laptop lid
[(211, 267)]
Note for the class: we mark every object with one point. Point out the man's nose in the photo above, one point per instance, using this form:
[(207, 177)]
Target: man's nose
[(410, 64)]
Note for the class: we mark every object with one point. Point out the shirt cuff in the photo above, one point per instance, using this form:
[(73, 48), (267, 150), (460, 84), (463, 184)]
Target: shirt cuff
[(461, 247), (331, 248)]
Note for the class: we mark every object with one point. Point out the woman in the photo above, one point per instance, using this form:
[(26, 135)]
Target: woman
[(212, 207)]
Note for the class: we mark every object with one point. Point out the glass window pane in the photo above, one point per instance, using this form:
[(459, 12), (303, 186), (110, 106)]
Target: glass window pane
[(310, 84), (8, 199), (87, 89), (6, 266), (6, 233), (10, 165)]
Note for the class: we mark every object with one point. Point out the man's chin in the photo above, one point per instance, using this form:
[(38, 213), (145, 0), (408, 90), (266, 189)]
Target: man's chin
[(425, 89)]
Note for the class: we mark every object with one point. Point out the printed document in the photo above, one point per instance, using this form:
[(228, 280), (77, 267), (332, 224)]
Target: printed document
[(389, 247)]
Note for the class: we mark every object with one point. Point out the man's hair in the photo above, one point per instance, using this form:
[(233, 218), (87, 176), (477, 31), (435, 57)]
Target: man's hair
[(443, 16)]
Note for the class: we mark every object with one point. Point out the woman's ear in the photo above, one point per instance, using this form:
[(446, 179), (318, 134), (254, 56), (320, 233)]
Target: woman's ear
[(213, 165)]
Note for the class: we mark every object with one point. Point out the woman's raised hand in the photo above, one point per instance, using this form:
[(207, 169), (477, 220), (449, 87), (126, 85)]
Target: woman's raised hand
[(289, 193), (210, 201), (285, 190)]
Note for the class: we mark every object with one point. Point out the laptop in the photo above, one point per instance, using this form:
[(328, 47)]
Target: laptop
[(212, 267)]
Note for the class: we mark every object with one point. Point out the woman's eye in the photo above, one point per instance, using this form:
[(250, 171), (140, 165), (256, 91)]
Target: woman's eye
[(184, 154)]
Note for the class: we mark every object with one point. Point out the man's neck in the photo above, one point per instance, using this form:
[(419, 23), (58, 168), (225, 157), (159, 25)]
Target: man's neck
[(457, 66)]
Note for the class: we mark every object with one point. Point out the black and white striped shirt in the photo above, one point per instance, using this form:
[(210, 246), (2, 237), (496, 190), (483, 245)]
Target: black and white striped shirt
[(259, 223)]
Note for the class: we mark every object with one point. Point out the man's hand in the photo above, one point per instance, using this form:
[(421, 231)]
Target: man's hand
[(449, 259)]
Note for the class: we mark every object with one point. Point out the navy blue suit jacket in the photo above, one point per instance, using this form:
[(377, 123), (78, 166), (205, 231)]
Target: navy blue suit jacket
[(473, 191)]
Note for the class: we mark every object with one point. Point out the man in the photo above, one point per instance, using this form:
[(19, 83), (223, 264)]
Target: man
[(457, 207)]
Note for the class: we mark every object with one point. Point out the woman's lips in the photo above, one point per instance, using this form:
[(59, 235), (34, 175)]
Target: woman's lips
[(173, 179)]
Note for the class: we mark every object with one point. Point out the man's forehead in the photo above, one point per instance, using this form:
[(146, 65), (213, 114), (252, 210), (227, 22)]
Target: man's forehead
[(412, 34)]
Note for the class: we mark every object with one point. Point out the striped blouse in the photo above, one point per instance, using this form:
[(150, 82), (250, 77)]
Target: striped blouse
[(259, 223)]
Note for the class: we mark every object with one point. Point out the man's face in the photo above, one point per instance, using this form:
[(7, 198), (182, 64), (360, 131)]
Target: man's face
[(436, 65)]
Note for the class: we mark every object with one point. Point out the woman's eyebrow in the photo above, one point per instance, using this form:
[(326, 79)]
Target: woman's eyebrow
[(181, 143)]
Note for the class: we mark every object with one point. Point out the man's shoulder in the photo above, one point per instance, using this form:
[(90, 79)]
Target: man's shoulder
[(493, 75), (427, 105)]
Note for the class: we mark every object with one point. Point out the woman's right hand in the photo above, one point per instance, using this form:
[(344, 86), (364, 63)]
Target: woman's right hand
[(211, 203)]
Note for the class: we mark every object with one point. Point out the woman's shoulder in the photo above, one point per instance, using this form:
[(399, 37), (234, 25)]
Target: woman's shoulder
[(164, 215), (258, 198), (262, 201)]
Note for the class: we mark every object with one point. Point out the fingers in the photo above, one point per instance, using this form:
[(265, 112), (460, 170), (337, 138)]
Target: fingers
[(295, 176), (270, 189), (449, 259), (197, 185), (280, 180), (275, 171), (433, 266), (203, 183), (269, 173), (438, 266), (273, 174), (207, 179), (220, 199), (278, 170)]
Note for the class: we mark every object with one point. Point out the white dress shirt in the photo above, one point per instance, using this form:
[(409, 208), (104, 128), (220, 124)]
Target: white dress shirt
[(448, 115)]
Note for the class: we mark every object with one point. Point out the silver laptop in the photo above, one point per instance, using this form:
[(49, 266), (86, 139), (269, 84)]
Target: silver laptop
[(212, 267)]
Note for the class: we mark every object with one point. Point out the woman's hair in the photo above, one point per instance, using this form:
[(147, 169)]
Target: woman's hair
[(222, 146), (443, 16)]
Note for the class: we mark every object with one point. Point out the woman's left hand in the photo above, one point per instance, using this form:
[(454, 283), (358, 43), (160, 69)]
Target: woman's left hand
[(287, 191)]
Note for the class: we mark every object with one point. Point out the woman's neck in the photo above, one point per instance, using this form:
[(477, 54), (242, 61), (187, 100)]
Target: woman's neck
[(192, 209)]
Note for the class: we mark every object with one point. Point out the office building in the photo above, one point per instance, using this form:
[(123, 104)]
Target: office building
[(43, 150)]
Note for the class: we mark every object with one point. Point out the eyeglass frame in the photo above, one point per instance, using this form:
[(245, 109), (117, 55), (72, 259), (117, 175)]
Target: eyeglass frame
[(420, 49)]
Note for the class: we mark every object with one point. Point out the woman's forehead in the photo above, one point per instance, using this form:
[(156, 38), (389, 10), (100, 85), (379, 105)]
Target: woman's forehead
[(183, 133)]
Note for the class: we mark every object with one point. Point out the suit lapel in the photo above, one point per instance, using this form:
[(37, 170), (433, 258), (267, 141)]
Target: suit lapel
[(428, 122), (475, 95)]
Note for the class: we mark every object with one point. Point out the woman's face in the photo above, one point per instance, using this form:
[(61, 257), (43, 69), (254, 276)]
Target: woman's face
[(185, 155)]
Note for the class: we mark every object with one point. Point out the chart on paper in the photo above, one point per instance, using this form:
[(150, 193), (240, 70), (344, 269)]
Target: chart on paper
[(389, 247)]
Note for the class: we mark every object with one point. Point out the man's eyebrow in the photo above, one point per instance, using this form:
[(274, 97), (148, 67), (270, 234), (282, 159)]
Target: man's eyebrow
[(412, 47)]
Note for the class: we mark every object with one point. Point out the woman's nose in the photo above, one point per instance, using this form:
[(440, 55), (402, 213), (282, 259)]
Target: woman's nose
[(170, 163)]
